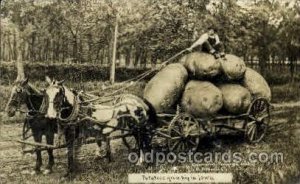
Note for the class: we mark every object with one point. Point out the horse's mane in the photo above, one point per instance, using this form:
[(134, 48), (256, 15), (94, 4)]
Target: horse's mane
[(69, 91)]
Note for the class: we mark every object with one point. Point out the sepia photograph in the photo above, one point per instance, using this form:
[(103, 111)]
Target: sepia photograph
[(149, 91)]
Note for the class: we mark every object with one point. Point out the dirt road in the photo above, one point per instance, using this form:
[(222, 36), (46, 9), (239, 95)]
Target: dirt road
[(283, 136)]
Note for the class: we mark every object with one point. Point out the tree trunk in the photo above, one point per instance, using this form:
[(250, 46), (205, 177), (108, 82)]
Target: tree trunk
[(98, 55), (1, 40), (114, 54), (101, 56), (25, 51), (263, 58), (292, 69), (153, 60), (75, 49), (10, 53), (15, 46), (2, 48), (64, 49), (57, 48), (90, 47), (80, 55), (144, 59), (127, 57), (32, 52), (137, 57)]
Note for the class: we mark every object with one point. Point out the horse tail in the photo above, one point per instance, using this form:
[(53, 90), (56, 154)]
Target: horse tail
[(153, 120)]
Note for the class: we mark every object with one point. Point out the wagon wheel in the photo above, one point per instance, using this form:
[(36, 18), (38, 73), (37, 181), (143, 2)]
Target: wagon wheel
[(258, 120), (184, 131)]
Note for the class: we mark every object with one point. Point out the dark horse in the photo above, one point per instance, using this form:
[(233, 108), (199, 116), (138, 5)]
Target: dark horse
[(24, 93), (65, 104)]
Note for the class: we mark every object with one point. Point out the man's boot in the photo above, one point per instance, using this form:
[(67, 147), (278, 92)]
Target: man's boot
[(223, 56), (216, 55)]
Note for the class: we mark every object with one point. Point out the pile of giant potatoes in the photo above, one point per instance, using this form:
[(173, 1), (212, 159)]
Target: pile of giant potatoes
[(204, 86)]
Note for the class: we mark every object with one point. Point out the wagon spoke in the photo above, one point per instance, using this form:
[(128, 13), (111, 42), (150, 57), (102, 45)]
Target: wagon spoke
[(176, 131), (182, 146), (254, 132), (175, 145), (193, 143), (194, 135), (175, 138), (251, 126), (188, 146), (189, 122), (258, 107)]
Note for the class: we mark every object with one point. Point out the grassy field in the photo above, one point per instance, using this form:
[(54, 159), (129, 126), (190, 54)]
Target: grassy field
[(283, 136)]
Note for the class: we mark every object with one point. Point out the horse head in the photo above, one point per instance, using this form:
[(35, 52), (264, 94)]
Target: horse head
[(60, 99), (18, 96)]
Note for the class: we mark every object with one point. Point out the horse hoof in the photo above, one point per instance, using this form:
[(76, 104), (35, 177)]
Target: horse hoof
[(47, 171)]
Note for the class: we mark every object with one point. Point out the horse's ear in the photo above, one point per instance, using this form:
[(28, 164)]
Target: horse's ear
[(48, 80), (60, 82)]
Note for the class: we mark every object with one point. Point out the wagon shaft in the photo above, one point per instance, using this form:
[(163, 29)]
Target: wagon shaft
[(36, 144)]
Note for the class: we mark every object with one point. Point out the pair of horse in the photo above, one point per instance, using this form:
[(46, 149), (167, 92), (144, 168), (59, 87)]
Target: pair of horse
[(58, 106)]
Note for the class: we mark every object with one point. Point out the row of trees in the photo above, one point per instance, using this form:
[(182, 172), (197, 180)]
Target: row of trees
[(81, 31)]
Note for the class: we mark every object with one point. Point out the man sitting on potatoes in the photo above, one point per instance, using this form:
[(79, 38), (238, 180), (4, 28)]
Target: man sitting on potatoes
[(210, 43)]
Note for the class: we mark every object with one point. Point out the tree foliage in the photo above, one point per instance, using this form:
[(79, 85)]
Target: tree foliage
[(82, 31)]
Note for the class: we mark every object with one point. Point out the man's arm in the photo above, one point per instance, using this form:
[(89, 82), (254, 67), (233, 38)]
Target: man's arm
[(200, 41), (217, 39)]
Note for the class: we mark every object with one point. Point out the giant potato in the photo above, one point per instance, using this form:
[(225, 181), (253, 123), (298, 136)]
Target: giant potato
[(166, 87), (256, 84), (201, 65), (201, 99), (233, 67), (236, 98)]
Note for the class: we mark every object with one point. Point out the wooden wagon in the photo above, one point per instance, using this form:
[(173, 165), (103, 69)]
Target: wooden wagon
[(183, 131)]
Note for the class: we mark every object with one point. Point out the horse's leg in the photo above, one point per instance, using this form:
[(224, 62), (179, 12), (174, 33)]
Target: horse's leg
[(144, 143), (99, 150), (37, 136), (50, 140), (78, 141), (140, 149), (70, 139), (108, 149)]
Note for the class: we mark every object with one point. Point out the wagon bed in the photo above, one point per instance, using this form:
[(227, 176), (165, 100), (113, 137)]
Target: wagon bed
[(184, 131)]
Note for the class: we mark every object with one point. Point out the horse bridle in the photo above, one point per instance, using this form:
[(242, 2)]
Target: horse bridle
[(75, 109), (17, 101), (62, 91)]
